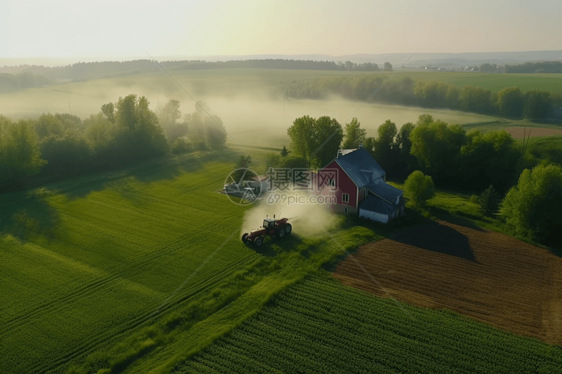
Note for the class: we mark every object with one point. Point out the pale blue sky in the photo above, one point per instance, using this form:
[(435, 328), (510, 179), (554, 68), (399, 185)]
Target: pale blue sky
[(128, 28)]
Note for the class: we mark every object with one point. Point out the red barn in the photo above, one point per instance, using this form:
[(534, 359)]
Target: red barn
[(360, 187)]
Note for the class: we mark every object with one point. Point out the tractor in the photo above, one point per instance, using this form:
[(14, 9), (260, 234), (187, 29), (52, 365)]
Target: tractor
[(278, 228)]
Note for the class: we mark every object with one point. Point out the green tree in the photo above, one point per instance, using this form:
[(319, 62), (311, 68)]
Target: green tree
[(510, 102), (67, 154), (108, 110), (476, 99), (419, 188), (293, 162), (272, 160), (98, 131), (47, 124), (204, 131), (215, 133), (317, 140), (138, 133), (20, 155), (181, 146), (385, 148), (354, 134), (406, 162), (489, 201), (436, 146), (168, 117), (489, 157), (537, 105), (284, 152), (387, 66), (328, 136), (303, 137), (533, 208)]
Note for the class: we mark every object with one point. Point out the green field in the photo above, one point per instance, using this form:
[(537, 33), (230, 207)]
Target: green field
[(142, 269), (320, 325), (88, 266)]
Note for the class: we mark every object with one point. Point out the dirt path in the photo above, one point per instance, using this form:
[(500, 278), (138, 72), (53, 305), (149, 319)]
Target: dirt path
[(485, 275)]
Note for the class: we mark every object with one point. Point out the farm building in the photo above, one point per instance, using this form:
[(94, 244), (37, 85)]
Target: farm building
[(361, 187)]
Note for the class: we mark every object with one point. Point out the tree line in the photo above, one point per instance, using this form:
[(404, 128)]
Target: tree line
[(535, 67), (91, 70), (469, 162), (14, 82), (509, 102), (58, 145)]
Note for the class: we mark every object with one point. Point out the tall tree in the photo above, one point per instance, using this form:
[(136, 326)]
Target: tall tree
[(406, 162), (476, 99), (168, 117), (510, 102), (436, 146), (303, 137), (317, 140), (329, 134), (205, 131), (537, 105), (533, 208), (385, 147), (20, 155), (354, 134), (98, 131)]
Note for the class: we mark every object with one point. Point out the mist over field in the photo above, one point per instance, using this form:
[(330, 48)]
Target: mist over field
[(250, 103)]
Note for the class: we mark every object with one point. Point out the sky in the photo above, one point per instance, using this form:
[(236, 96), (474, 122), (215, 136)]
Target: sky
[(133, 28)]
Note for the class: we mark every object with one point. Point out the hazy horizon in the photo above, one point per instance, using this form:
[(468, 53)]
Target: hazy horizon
[(62, 29)]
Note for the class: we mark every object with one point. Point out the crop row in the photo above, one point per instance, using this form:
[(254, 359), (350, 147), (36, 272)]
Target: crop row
[(321, 326)]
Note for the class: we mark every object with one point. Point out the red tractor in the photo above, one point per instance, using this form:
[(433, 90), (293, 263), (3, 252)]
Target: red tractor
[(272, 227)]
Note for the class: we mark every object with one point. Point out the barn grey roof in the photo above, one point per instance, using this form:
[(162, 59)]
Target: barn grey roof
[(385, 191), (374, 204), (360, 166)]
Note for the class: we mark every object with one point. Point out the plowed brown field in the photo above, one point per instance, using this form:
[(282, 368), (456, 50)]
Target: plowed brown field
[(485, 275), (518, 132)]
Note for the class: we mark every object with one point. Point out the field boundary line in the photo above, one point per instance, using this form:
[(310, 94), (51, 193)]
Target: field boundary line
[(361, 267)]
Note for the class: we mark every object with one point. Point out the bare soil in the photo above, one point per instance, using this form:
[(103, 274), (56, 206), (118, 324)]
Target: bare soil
[(517, 132), (485, 275)]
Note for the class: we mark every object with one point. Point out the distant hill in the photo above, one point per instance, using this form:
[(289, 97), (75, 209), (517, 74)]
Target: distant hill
[(437, 59)]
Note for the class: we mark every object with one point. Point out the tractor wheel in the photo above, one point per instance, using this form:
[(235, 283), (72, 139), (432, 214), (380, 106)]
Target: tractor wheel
[(288, 229), (245, 238), (258, 241), (280, 234)]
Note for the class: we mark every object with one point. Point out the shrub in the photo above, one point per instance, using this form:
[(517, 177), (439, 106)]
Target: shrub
[(533, 208), (489, 201), (419, 188), (181, 146)]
